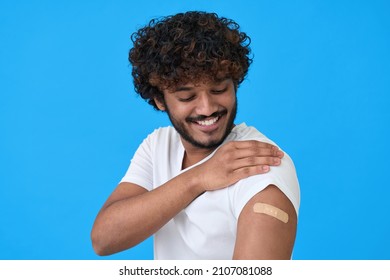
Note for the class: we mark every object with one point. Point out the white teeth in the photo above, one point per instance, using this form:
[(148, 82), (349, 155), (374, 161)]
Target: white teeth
[(208, 122)]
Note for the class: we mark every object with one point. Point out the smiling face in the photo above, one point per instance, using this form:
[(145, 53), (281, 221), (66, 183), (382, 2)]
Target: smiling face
[(203, 114)]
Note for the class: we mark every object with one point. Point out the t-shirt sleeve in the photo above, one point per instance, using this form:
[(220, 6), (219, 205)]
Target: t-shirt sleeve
[(140, 171), (283, 176)]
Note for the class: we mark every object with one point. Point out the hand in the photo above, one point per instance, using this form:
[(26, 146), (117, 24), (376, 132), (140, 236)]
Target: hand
[(237, 160)]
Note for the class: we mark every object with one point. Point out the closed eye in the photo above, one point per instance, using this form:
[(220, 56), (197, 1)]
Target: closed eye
[(188, 99), (219, 91)]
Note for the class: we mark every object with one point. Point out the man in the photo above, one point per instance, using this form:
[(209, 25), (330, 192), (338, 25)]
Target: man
[(206, 188)]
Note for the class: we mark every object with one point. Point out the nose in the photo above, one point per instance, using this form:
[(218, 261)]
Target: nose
[(206, 105)]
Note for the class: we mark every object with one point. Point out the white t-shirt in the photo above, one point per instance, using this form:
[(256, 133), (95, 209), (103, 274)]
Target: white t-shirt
[(206, 229)]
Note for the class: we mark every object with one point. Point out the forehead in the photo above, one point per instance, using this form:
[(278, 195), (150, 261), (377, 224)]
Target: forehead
[(199, 84)]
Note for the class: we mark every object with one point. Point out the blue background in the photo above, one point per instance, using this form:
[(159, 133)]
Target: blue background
[(70, 120)]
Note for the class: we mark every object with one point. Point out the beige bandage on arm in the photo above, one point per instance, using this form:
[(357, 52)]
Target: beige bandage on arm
[(270, 210)]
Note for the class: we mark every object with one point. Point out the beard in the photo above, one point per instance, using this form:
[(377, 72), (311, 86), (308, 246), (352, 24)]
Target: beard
[(212, 144)]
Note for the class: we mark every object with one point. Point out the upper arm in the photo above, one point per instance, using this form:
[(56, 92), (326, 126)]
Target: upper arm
[(260, 236)]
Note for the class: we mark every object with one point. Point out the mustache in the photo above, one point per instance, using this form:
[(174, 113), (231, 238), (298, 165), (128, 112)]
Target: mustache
[(203, 117)]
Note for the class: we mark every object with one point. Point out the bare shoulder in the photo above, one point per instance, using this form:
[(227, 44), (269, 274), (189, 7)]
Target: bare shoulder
[(266, 226)]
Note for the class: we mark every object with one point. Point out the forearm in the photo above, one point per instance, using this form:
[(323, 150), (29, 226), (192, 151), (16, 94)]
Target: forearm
[(125, 223)]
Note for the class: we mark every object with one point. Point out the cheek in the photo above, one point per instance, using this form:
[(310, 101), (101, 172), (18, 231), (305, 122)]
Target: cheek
[(181, 112), (229, 101)]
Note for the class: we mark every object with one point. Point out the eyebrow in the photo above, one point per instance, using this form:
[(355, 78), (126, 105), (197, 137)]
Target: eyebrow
[(184, 88)]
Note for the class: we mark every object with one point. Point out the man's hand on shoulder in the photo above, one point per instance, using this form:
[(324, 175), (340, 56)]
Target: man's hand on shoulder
[(237, 160)]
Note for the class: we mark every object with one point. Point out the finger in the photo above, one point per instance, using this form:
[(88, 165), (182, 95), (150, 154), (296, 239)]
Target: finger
[(251, 143), (257, 152), (248, 171), (259, 148), (256, 161)]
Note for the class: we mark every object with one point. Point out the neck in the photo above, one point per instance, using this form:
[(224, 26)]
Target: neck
[(193, 155)]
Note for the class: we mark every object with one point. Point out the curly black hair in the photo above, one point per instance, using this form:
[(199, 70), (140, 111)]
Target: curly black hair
[(187, 47)]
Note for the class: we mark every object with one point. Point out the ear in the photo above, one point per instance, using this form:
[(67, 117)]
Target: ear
[(160, 103)]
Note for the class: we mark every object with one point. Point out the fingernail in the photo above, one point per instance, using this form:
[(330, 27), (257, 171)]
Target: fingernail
[(265, 167), (277, 160)]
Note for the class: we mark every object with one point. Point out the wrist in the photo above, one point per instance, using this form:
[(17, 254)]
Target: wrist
[(194, 181)]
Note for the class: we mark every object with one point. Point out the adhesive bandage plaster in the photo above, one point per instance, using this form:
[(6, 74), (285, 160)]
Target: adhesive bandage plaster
[(270, 210)]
